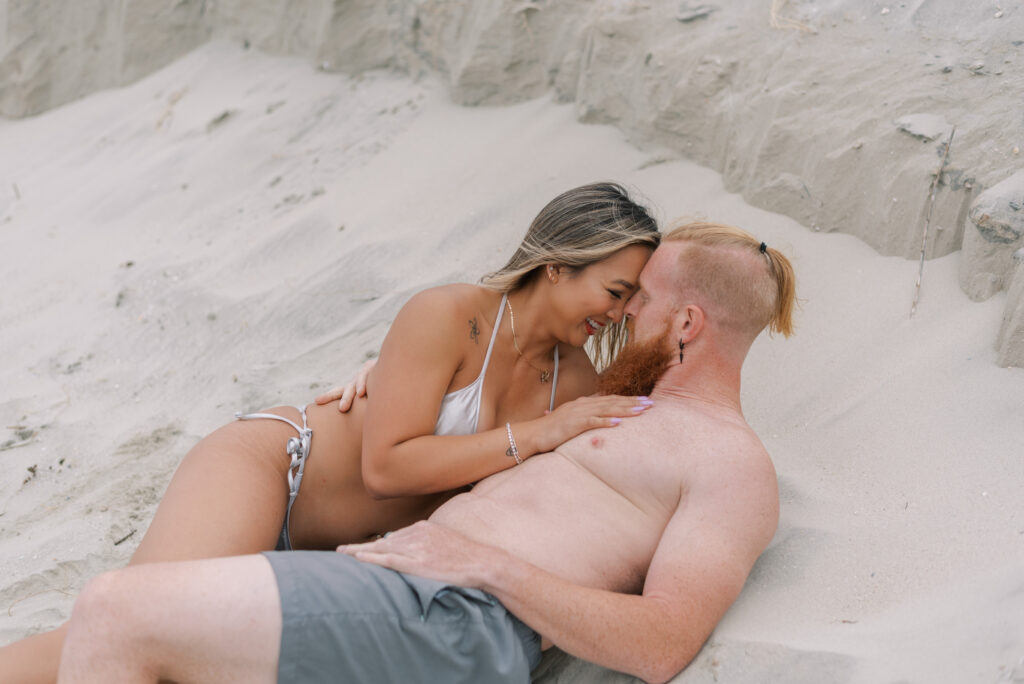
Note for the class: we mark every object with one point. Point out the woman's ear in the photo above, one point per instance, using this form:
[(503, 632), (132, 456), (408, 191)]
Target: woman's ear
[(553, 271)]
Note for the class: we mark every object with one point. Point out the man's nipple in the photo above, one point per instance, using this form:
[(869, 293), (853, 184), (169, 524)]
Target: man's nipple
[(596, 442)]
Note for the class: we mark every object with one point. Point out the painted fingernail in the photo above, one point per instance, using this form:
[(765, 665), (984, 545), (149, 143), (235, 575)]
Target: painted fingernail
[(616, 421), (643, 398), (638, 409)]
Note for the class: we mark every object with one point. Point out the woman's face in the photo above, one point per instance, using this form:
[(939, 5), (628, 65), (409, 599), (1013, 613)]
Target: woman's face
[(591, 298)]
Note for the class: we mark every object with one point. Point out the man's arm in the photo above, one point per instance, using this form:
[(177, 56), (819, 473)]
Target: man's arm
[(698, 570), (701, 563)]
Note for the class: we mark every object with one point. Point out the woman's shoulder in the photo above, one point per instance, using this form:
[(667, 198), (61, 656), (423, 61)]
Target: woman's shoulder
[(455, 301)]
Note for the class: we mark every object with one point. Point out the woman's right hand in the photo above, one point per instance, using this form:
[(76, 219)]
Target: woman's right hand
[(575, 417), (347, 394)]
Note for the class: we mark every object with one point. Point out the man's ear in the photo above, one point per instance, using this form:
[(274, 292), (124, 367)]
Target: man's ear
[(690, 323)]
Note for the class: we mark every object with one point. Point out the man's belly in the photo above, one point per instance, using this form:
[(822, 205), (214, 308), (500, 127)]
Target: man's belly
[(562, 518)]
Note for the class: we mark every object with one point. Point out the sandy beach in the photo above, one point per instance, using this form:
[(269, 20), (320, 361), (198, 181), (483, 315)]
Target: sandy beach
[(237, 229)]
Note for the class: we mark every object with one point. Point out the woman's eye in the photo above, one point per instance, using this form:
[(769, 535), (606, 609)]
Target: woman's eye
[(615, 294)]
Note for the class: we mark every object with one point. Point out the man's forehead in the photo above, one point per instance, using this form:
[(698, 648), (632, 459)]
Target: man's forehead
[(660, 268)]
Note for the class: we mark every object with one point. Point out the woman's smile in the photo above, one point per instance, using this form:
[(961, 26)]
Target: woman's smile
[(592, 325)]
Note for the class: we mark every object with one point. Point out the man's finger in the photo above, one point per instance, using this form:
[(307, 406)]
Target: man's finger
[(386, 560), (350, 549), (362, 375), (328, 396), (345, 403)]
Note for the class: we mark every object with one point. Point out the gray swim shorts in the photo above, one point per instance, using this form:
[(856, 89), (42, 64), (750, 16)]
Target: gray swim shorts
[(348, 621)]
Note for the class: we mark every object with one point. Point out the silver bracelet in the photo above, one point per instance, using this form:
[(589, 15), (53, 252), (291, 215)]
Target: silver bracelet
[(512, 451)]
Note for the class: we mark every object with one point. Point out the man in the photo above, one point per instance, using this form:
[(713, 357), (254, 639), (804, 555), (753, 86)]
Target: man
[(623, 546)]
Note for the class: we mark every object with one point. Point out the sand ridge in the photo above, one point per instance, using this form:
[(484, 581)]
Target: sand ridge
[(236, 230)]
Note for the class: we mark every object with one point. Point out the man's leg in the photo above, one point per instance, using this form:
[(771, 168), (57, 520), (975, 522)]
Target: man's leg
[(227, 498), (213, 620)]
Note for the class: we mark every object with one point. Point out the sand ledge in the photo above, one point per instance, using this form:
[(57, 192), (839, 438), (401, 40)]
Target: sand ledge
[(804, 109), (167, 265)]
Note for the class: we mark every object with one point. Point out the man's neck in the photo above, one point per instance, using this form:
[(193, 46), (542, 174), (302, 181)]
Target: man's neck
[(701, 380)]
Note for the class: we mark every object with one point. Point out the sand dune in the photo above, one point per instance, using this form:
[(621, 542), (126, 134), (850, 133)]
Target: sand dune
[(237, 230)]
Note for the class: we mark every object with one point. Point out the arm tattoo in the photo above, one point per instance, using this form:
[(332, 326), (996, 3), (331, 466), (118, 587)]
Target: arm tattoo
[(474, 331)]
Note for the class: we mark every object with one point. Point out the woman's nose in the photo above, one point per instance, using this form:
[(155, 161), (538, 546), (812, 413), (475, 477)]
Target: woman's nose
[(617, 312), (630, 307)]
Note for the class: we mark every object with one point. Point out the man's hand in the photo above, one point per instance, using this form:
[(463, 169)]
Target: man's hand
[(347, 394), (431, 551)]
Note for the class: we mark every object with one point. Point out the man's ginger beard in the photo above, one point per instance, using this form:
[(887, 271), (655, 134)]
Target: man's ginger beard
[(637, 367)]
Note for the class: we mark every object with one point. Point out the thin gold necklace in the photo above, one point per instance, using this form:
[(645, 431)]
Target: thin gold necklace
[(545, 375)]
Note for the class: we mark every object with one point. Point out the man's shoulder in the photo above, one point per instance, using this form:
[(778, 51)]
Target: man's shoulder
[(737, 450), (738, 474), (698, 450), (725, 458)]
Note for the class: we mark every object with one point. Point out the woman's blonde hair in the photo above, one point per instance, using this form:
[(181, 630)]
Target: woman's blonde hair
[(580, 227)]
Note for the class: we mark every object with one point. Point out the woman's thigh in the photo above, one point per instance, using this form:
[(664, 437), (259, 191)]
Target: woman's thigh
[(228, 496)]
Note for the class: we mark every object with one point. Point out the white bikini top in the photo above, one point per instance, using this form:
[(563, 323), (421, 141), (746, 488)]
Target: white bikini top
[(460, 410)]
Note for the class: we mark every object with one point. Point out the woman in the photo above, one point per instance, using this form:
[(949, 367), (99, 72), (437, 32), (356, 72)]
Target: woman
[(470, 380)]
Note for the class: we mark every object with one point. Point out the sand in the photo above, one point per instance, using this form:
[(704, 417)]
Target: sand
[(237, 230)]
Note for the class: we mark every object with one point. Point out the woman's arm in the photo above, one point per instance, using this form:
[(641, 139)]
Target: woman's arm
[(420, 355)]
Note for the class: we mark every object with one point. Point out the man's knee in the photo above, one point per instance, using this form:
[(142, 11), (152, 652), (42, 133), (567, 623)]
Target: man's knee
[(99, 610), (107, 636)]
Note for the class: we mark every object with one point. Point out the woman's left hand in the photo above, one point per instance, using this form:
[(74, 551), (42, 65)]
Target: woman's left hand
[(572, 418)]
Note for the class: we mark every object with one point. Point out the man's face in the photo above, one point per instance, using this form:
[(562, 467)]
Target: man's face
[(650, 313), (650, 307)]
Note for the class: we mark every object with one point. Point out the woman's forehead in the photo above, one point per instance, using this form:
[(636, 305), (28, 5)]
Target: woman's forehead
[(623, 267)]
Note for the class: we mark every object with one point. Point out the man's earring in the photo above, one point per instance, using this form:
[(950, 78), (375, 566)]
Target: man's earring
[(680, 350)]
